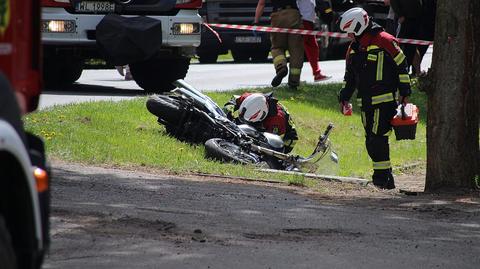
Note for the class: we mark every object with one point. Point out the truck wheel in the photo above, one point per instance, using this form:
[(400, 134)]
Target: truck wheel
[(62, 71), (207, 58), (240, 56), (260, 56), (156, 75), (7, 255)]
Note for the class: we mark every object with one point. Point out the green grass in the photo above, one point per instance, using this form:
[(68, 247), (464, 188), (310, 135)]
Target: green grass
[(225, 57), (125, 134)]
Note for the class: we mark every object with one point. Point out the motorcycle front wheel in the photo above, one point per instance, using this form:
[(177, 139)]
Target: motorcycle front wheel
[(222, 150)]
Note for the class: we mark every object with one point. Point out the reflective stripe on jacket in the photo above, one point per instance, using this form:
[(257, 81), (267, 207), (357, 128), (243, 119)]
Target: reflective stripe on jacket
[(377, 68)]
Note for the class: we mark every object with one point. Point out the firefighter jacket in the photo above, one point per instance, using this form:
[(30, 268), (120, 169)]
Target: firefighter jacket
[(278, 120), (376, 67), (324, 10)]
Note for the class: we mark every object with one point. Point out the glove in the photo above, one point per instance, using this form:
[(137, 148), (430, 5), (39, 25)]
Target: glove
[(345, 108), (229, 109)]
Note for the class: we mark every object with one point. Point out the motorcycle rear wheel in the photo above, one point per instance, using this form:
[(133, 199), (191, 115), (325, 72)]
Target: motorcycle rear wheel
[(222, 150), (166, 108)]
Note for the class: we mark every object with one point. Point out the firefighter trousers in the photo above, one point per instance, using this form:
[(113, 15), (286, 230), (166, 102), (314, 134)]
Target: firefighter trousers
[(376, 122), (281, 42)]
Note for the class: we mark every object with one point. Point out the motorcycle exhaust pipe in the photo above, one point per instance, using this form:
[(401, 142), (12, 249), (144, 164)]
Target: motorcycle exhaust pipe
[(270, 152)]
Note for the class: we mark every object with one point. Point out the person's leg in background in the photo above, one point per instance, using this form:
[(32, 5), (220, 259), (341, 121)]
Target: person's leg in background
[(293, 20), (312, 51), (295, 48), (279, 58), (124, 71), (279, 45), (427, 32), (120, 70), (409, 30), (427, 28), (416, 70), (128, 75), (311, 48)]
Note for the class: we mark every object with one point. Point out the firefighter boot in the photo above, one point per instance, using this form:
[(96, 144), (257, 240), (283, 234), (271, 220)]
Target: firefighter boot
[(383, 179), (281, 73)]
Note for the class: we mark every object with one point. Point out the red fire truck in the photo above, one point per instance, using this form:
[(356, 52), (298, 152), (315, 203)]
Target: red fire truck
[(24, 176)]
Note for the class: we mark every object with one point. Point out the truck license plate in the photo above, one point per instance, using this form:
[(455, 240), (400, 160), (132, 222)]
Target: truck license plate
[(248, 39), (94, 7)]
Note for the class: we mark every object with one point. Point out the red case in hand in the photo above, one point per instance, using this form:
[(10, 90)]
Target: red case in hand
[(405, 121), (347, 109)]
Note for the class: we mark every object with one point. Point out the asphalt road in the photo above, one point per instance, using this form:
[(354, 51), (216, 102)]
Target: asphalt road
[(109, 85), (105, 218)]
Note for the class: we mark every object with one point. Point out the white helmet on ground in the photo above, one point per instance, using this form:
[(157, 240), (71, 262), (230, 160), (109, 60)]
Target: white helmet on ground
[(254, 108), (354, 21)]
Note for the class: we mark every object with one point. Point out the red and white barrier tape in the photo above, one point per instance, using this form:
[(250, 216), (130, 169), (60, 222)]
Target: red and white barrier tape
[(304, 32)]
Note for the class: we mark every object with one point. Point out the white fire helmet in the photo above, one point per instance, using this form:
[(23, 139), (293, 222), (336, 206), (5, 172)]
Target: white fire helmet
[(354, 21), (254, 108)]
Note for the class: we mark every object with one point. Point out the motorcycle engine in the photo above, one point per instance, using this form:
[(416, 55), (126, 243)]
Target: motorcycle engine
[(272, 141)]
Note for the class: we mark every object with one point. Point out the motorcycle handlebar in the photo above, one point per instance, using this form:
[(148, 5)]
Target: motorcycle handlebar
[(329, 128), (325, 135), (296, 159)]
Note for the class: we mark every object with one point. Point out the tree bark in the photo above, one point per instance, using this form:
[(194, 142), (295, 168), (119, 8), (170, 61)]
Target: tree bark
[(453, 154)]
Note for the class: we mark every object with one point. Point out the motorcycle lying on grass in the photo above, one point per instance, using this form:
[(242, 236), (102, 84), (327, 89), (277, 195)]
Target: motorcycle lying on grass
[(193, 117)]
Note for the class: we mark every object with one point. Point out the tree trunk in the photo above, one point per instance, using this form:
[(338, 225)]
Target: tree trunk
[(453, 154)]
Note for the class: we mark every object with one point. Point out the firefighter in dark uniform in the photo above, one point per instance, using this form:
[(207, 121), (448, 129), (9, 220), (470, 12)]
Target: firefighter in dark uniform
[(377, 68), (264, 113), (285, 14), (324, 11)]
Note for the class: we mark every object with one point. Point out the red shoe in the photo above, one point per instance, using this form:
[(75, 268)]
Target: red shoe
[(320, 77)]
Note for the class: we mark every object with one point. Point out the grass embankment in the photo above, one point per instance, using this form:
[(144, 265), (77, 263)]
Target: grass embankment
[(126, 134)]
